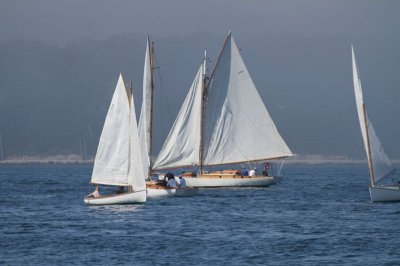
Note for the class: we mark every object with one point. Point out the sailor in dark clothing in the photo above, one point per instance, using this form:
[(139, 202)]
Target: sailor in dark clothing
[(164, 182)]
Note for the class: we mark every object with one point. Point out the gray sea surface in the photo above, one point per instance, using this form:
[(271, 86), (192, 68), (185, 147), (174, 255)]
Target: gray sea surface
[(317, 215)]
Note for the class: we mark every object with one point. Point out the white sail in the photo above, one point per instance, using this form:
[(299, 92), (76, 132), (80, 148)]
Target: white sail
[(238, 127), (145, 113), (136, 174), (380, 161), (112, 157), (182, 145)]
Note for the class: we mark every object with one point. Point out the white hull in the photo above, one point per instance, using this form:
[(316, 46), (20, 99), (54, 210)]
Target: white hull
[(123, 198), (171, 192), (384, 193), (231, 182)]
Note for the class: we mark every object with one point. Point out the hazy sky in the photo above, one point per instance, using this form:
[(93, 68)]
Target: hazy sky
[(65, 21), (298, 53)]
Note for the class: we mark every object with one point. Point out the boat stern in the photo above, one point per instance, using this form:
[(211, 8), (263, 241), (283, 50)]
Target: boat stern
[(387, 193)]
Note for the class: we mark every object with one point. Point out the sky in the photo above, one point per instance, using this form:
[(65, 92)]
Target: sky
[(297, 52), (65, 21)]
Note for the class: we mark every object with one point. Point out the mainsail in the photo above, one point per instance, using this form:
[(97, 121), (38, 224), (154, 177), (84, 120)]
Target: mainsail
[(381, 165), (118, 159), (237, 126), (145, 113)]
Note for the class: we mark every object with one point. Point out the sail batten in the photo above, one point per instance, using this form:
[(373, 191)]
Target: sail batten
[(380, 165)]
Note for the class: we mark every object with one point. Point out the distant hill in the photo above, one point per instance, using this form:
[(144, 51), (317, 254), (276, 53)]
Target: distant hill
[(53, 100)]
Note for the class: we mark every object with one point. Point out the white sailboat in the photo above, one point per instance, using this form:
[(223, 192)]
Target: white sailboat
[(146, 129), (118, 159), (220, 123), (378, 162)]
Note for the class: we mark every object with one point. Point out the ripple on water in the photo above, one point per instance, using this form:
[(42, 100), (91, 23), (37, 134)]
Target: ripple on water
[(317, 215)]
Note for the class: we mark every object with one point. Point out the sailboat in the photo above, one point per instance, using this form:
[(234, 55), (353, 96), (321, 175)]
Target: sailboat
[(118, 159), (146, 129), (222, 122), (378, 161)]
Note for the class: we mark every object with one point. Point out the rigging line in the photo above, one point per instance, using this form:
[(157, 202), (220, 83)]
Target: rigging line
[(250, 166), (164, 95)]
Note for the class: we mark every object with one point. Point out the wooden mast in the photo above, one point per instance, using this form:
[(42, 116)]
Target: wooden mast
[(203, 100), (371, 167), (130, 188), (151, 53), (204, 97)]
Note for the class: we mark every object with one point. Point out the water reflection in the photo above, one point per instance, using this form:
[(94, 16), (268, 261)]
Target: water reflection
[(112, 209)]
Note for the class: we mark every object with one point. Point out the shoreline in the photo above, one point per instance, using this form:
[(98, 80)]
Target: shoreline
[(57, 160), (75, 159)]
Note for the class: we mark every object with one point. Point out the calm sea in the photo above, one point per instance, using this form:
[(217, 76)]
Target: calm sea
[(317, 215)]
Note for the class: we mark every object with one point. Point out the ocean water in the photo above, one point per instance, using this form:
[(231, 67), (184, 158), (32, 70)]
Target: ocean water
[(317, 215)]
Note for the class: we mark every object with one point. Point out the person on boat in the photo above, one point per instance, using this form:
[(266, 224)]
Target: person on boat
[(182, 181), (169, 175), (245, 172), (172, 183), (252, 172), (162, 182), (95, 193), (266, 169), (121, 190)]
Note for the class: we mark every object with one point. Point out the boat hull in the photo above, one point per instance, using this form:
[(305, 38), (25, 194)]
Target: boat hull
[(208, 182), (171, 192), (384, 193), (123, 198)]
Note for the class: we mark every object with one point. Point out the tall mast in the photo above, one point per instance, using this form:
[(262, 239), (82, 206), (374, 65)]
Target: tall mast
[(204, 97), (130, 188), (203, 100), (151, 101), (371, 167)]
